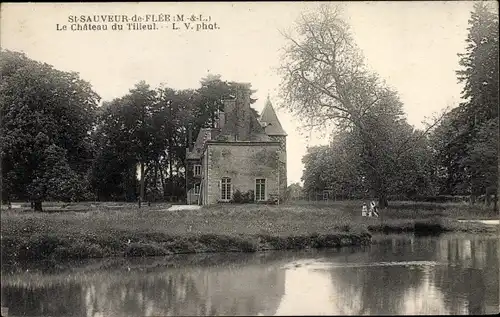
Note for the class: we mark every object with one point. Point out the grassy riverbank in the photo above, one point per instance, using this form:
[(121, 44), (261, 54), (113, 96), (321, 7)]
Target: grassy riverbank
[(98, 232)]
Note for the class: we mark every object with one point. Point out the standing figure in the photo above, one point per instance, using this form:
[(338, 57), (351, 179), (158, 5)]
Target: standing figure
[(373, 209), (364, 210)]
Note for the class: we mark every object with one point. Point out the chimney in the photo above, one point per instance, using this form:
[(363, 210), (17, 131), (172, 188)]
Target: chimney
[(230, 117), (229, 105), (190, 138), (222, 119)]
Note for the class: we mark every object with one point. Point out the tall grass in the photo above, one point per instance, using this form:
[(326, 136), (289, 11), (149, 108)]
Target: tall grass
[(27, 235)]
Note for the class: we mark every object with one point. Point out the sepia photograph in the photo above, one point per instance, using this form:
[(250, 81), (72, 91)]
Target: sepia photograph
[(249, 158)]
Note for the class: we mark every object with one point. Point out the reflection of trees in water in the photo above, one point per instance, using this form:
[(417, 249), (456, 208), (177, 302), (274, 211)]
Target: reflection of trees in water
[(241, 290), (57, 300), (467, 278), (376, 289), (350, 299), (471, 275), (426, 298), (404, 247), (199, 292), (246, 290)]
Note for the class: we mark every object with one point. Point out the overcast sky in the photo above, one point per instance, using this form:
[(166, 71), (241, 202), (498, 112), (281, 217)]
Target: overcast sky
[(412, 45)]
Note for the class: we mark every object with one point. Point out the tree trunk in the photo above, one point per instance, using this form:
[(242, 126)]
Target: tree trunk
[(141, 190), (171, 170), (473, 199), (490, 191), (170, 174), (381, 191), (382, 196), (155, 182), (38, 205), (475, 191), (382, 201), (162, 179)]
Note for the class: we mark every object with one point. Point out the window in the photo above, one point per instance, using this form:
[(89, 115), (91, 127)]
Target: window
[(225, 189), (260, 189), (197, 189), (197, 170)]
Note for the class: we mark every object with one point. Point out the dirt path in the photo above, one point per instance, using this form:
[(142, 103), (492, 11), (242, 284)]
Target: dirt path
[(184, 207)]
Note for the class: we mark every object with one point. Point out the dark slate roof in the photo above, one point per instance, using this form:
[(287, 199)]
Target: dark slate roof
[(248, 128), (273, 125), (205, 134)]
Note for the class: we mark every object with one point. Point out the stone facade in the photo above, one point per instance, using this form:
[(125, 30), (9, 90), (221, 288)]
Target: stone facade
[(282, 162), (242, 163), (243, 153)]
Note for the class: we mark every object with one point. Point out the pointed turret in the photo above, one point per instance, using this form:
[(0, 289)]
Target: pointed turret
[(270, 119), (273, 128)]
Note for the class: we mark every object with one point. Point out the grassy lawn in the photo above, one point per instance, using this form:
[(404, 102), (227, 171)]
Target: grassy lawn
[(114, 230)]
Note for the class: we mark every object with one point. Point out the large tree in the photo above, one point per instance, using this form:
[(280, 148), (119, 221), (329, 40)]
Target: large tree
[(478, 113), (341, 166), (47, 116), (466, 142), (172, 118), (448, 140), (326, 83), (130, 134), (114, 167), (479, 64), (149, 128)]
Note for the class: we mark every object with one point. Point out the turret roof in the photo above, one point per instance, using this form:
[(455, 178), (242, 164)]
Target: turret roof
[(273, 125)]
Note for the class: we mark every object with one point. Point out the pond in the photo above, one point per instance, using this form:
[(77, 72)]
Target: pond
[(397, 274)]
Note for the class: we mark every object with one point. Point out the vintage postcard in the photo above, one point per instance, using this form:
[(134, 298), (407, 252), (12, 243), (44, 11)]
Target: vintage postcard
[(249, 158)]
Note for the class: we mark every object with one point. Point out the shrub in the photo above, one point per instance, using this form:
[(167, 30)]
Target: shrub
[(243, 198), (237, 197), (248, 197), (144, 249)]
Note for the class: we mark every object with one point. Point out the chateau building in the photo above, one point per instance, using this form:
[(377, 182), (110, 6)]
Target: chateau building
[(244, 152)]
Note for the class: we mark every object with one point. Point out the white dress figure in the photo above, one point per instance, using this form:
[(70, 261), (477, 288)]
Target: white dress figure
[(364, 211), (373, 209)]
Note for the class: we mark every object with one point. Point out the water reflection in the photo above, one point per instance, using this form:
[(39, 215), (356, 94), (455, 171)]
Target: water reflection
[(397, 275), (306, 286), (209, 291)]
